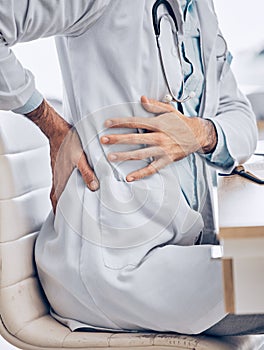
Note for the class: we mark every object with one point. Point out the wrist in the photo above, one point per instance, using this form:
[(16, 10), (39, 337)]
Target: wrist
[(48, 120), (38, 112), (209, 136)]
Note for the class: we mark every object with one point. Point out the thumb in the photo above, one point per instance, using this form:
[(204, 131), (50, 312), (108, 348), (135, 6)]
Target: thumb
[(87, 173), (154, 106)]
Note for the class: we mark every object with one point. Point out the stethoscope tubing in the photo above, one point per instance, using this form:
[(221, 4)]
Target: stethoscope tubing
[(157, 30)]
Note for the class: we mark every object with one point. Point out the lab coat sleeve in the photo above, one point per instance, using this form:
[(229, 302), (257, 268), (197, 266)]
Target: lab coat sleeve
[(233, 115), (220, 157), (34, 102), (237, 121), (27, 20)]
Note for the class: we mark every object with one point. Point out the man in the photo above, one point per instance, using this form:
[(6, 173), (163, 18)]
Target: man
[(123, 252)]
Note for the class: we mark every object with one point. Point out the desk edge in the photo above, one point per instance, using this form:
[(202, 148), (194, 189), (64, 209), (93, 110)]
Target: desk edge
[(241, 232)]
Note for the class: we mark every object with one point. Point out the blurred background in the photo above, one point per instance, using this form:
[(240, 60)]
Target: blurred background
[(242, 25)]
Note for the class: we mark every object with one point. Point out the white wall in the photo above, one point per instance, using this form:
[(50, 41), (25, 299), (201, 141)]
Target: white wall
[(242, 25), (41, 58), (241, 22)]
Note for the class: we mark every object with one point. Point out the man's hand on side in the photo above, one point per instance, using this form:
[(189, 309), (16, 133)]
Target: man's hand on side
[(66, 151), (170, 136)]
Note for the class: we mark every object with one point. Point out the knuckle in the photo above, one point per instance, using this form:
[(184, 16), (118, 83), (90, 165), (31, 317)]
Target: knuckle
[(133, 155), (170, 157), (82, 164), (161, 150), (159, 137), (112, 139), (86, 172), (151, 168), (133, 137), (129, 156)]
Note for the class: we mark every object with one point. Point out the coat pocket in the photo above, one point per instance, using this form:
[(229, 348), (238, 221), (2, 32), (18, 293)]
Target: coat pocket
[(137, 217)]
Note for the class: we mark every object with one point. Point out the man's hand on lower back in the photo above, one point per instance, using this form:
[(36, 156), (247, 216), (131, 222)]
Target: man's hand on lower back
[(66, 151)]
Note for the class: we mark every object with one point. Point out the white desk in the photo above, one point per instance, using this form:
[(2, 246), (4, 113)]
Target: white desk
[(241, 221)]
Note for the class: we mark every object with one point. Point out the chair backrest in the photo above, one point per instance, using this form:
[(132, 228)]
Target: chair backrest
[(25, 180)]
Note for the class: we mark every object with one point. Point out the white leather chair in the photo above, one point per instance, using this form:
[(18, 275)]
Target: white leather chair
[(24, 204)]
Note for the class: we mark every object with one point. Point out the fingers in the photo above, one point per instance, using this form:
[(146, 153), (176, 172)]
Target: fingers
[(126, 139), (132, 123), (140, 154), (157, 107), (151, 169), (87, 173), (150, 105), (61, 175)]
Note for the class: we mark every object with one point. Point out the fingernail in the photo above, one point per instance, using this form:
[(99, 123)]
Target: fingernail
[(108, 123), (94, 185), (112, 157), (130, 179), (145, 98), (105, 139)]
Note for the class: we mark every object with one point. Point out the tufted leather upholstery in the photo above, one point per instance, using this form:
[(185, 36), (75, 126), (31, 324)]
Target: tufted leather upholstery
[(24, 203)]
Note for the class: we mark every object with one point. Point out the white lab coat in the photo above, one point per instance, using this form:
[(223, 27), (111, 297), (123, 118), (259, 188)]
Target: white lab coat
[(123, 257)]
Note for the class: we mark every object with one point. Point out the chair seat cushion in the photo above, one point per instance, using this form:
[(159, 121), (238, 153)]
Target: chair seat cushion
[(48, 334)]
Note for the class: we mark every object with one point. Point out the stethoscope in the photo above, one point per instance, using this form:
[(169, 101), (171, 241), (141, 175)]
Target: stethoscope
[(221, 54), (157, 26)]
